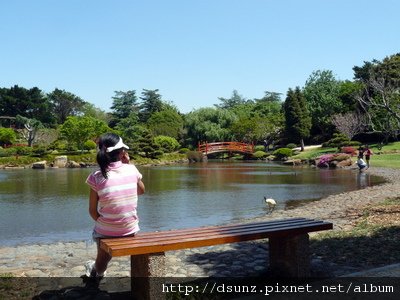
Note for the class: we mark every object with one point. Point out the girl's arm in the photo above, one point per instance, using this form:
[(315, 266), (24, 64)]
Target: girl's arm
[(140, 188), (93, 200)]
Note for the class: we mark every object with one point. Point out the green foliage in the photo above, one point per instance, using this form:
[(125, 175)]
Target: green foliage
[(39, 151), (166, 122), (282, 153), (235, 100), (168, 144), (30, 103), (15, 150), (151, 103), (338, 140), (148, 147), (194, 156), (89, 145), (291, 146), (184, 150), (259, 154), (209, 124), (7, 136), (322, 92), (297, 117), (65, 104), (259, 148), (77, 130), (124, 106), (58, 144)]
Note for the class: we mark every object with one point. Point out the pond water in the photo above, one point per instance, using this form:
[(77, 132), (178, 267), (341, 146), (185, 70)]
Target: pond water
[(40, 206)]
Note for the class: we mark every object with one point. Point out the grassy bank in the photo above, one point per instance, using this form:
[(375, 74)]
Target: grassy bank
[(386, 157), (87, 158), (372, 242)]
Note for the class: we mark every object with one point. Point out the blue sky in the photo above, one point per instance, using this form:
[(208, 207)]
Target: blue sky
[(192, 51)]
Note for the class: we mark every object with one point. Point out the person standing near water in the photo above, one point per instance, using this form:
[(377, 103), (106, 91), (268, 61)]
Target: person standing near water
[(367, 153), (114, 190)]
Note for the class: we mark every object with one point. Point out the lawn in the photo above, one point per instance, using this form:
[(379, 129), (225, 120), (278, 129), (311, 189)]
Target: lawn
[(388, 156)]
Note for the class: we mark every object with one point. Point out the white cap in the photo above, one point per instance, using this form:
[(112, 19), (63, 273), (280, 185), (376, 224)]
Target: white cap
[(118, 145)]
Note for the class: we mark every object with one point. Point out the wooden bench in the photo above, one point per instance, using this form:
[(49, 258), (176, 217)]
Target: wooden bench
[(288, 247)]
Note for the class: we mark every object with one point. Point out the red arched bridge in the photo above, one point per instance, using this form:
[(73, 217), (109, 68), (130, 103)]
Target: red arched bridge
[(209, 148)]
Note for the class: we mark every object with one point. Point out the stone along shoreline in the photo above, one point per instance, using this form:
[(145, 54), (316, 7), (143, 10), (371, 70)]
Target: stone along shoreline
[(241, 259)]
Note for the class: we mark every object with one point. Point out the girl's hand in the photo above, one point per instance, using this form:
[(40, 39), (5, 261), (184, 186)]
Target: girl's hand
[(125, 158)]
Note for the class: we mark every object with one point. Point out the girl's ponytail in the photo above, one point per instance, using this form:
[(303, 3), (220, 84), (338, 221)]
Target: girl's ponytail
[(104, 158)]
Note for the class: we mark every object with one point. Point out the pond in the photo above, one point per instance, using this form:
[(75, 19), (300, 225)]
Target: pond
[(41, 206)]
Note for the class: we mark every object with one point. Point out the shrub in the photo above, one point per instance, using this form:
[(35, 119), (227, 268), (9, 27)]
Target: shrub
[(291, 146), (337, 140), (282, 153), (168, 144), (324, 160), (7, 136), (259, 148), (38, 151), (183, 150), (16, 150), (349, 150), (194, 156), (259, 154), (351, 143), (89, 145)]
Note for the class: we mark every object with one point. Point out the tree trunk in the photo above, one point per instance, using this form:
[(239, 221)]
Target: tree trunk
[(301, 145)]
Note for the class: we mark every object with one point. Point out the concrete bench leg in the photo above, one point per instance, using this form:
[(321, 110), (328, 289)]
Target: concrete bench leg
[(290, 256), (147, 272)]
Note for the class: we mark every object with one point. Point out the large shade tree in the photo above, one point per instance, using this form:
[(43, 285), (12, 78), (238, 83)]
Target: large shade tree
[(65, 104), (209, 125), (322, 92), (380, 98)]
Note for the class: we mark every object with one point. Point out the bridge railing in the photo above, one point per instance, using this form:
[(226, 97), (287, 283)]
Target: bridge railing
[(207, 148)]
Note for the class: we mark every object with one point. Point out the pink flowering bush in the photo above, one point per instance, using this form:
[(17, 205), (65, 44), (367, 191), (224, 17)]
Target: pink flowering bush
[(324, 161)]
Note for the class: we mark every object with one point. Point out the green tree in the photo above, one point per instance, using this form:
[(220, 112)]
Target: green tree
[(78, 130), (30, 130), (166, 122), (209, 124), (380, 98), (321, 92), (7, 136), (65, 104), (90, 110), (297, 118), (124, 105), (229, 103), (167, 144), (259, 119), (148, 147), (151, 103), (30, 103)]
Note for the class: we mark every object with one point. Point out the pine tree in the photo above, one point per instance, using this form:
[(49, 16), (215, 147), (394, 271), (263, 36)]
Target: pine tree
[(297, 116)]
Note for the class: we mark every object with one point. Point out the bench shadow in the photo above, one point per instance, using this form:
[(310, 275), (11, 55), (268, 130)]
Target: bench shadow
[(332, 254), (83, 289)]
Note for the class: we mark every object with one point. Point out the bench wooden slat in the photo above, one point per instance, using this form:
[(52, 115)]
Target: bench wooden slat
[(181, 239), (203, 230)]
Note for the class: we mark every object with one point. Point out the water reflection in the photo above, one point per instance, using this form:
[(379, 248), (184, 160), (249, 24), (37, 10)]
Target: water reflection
[(52, 204)]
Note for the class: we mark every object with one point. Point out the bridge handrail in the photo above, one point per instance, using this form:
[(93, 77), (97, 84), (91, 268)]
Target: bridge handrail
[(225, 146)]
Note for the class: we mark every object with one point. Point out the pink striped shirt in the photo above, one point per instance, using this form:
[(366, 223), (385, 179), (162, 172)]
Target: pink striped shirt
[(117, 199)]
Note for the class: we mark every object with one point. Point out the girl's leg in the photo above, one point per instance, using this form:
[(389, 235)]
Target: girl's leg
[(102, 260)]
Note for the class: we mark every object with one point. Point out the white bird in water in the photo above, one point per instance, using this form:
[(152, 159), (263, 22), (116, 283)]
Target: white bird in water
[(271, 204)]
